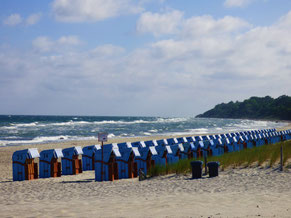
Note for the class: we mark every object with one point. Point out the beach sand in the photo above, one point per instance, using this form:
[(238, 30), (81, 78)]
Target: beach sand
[(250, 192)]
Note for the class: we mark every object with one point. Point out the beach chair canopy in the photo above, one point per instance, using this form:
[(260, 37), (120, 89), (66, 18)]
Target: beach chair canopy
[(90, 150), (22, 155), (153, 150), (48, 155), (125, 155), (70, 152), (108, 150), (149, 143)]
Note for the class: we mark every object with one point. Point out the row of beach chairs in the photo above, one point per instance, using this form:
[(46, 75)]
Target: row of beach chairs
[(127, 160)]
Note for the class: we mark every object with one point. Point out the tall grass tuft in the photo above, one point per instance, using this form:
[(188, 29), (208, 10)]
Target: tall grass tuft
[(264, 154)]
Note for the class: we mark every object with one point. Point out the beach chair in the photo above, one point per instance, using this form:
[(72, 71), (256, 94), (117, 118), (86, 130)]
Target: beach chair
[(191, 139), (71, 164), (48, 163), (162, 142), (88, 157), (187, 152), (147, 158), (198, 138), (106, 167), (236, 143), (161, 158), (149, 143), (172, 141), (23, 164), (127, 166), (182, 140), (173, 153)]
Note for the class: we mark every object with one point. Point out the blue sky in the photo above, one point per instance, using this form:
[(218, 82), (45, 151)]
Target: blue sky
[(154, 58)]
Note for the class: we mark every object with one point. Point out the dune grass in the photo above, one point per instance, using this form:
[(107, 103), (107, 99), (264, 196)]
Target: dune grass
[(266, 154)]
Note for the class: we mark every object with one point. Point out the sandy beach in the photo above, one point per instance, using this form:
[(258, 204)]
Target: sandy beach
[(248, 192)]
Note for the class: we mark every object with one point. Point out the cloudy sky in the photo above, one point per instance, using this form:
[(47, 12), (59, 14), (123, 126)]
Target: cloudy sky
[(146, 57)]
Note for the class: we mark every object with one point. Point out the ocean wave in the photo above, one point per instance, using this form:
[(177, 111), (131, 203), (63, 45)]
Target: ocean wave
[(111, 135), (69, 123), (104, 122), (44, 139), (159, 120), (24, 124), (153, 130), (8, 127), (199, 130), (34, 140)]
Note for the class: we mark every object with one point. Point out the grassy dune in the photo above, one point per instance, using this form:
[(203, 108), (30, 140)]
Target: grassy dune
[(266, 155)]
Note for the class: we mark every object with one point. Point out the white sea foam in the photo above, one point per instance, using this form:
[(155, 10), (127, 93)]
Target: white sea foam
[(25, 124), (74, 122), (198, 130), (153, 130), (44, 139), (8, 127), (159, 120), (111, 135), (70, 123)]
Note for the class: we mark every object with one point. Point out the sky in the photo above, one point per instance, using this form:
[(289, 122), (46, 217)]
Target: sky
[(141, 58)]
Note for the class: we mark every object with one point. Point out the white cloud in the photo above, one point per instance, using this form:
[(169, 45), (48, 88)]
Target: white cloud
[(159, 24), (174, 23), (16, 19), (108, 50), (179, 75), (12, 20), (45, 44), (68, 40), (207, 25), (237, 3), (92, 10), (33, 19)]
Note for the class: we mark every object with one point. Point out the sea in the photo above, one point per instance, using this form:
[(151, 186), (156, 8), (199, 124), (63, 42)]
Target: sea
[(19, 130)]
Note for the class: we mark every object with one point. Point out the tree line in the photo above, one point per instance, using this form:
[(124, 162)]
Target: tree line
[(253, 108)]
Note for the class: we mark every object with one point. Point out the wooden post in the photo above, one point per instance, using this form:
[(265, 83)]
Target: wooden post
[(102, 136), (102, 162), (205, 160), (281, 157)]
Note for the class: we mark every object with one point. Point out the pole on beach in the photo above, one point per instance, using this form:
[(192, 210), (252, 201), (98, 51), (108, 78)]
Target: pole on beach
[(205, 161), (102, 162), (102, 137), (281, 157)]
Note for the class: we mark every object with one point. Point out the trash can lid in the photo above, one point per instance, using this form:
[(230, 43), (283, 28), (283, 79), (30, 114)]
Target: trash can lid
[(213, 163), (195, 163)]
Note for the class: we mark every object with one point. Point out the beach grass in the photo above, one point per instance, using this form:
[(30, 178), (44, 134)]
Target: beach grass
[(267, 155)]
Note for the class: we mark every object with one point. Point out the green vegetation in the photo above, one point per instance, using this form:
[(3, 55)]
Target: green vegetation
[(253, 108), (266, 154)]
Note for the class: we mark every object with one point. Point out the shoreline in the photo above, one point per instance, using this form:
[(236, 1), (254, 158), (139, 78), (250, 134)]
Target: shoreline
[(128, 139), (145, 134)]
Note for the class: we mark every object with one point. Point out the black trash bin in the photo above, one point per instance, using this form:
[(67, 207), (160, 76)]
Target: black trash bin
[(213, 168), (196, 169)]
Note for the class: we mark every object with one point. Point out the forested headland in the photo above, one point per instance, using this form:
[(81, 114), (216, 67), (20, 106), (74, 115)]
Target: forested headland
[(266, 108)]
